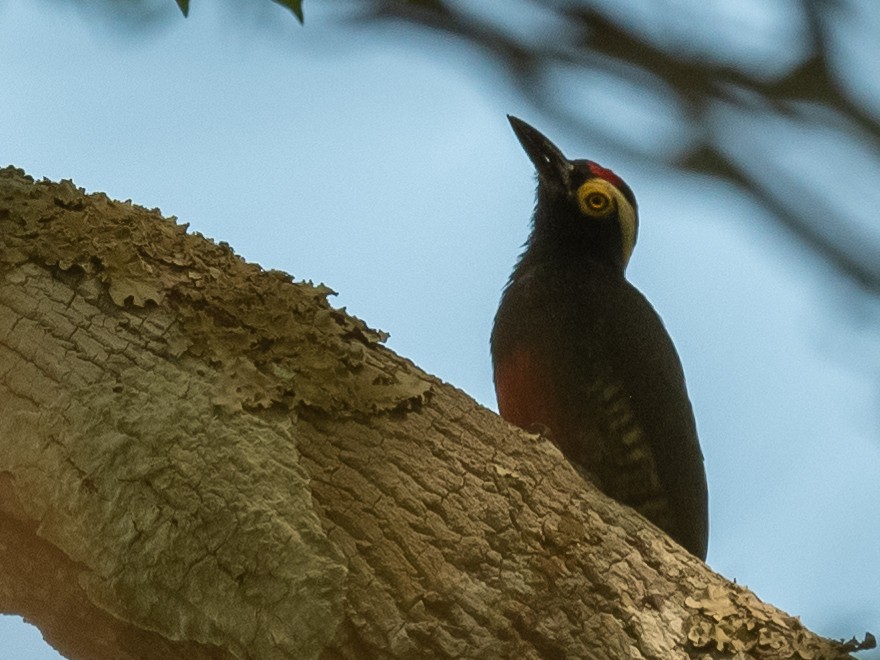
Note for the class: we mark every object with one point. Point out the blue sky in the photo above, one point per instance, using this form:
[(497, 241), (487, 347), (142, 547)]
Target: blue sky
[(384, 167)]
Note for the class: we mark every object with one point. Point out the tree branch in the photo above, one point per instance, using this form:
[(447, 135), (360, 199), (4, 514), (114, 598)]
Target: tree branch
[(202, 459)]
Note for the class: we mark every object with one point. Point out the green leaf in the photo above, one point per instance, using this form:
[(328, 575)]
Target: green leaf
[(184, 7), (296, 6)]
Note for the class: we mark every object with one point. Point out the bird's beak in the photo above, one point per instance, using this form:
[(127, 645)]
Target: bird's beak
[(553, 167)]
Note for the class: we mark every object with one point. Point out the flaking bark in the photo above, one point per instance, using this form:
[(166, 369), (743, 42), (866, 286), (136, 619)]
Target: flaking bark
[(203, 459)]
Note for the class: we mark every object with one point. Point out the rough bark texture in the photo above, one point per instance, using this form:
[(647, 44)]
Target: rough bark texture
[(203, 459)]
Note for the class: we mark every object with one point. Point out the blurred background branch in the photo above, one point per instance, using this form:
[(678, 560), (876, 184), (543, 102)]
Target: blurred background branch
[(728, 84), (776, 98)]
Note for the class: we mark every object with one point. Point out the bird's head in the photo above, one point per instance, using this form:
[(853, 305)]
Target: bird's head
[(583, 209)]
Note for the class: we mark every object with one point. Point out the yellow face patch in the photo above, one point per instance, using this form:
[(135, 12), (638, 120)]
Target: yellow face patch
[(597, 198)]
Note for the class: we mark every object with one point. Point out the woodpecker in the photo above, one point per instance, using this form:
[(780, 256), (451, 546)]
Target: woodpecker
[(580, 355)]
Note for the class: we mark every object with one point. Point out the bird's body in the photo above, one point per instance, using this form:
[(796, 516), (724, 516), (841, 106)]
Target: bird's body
[(580, 354)]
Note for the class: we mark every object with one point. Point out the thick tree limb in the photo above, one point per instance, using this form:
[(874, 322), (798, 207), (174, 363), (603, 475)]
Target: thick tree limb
[(202, 459)]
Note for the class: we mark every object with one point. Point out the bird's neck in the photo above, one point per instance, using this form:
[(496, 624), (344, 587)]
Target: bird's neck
[(562, 236), (560, 259)]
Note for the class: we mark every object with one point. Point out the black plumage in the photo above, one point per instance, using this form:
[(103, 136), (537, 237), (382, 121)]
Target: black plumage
[(580, 354)]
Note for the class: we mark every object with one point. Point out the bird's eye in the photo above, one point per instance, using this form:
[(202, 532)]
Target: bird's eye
[(594, 202), (597, 201)]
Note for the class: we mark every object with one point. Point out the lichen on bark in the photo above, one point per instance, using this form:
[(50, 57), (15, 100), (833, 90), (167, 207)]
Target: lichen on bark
[(214, 462)]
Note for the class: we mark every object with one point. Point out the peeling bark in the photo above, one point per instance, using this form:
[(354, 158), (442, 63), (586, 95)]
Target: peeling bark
[(203, 459)]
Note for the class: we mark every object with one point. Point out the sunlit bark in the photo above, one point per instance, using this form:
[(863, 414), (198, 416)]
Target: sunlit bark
[(202, 459)]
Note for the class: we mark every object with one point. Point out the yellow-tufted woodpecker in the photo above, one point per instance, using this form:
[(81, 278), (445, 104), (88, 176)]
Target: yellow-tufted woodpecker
[(579, 353)]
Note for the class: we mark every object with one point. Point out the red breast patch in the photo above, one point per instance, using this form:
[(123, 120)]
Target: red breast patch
[(525, 391)]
